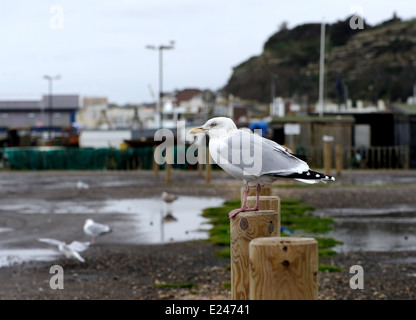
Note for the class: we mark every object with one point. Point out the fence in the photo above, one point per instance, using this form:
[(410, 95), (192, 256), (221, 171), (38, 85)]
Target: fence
[(389, 157), (393, 157), (77, 158)]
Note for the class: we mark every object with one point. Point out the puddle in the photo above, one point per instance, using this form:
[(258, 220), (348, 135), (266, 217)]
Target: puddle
[(5, 230), (10, 257), (134, 221), (159, 222), (391, 229), (46, 207)]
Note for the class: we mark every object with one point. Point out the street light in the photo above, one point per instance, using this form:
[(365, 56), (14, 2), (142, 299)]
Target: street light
[(275, 77), (160, 101), (50, 79)]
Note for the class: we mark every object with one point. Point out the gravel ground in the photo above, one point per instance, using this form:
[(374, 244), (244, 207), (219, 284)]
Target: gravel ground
[(131, 271)]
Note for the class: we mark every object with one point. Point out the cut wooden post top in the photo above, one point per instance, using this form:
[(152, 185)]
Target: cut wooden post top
[(273, 241), (265, 203), (264, 197), (249, 214)]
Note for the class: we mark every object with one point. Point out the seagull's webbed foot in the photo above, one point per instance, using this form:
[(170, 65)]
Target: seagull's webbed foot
[(234, 212)]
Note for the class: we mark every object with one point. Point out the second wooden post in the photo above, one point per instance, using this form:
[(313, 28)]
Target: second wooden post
[(283, 268)]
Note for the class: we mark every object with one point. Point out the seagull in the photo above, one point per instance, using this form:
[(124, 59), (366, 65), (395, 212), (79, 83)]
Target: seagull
[(82, 185), (168, 197), (252, 158), (71, 250), (95, 229)]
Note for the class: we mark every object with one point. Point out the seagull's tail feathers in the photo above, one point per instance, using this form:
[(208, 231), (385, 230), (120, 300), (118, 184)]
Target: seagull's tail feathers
[(314, 177), (309, 177), (309, 181)]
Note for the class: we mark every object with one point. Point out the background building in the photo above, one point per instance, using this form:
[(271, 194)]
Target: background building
[(36, 113)]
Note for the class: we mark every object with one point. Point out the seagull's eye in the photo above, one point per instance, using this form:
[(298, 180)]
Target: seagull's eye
[(213, 124)]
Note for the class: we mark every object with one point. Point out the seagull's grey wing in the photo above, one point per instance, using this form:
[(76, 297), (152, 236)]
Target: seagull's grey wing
[(243, 155), (277, 161), (295, 168), (79, 246), (51, 241)]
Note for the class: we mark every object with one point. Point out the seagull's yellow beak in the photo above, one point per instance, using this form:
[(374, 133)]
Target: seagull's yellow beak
[(196, 130)]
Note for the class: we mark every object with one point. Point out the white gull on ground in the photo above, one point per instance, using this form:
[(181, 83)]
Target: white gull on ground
[(252, 158), (95, 229), (71, 250), (82, 185), (168, 197)]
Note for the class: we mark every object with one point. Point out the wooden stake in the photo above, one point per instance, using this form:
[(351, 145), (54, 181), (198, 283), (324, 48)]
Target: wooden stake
[(267, 203), (207, 167), (338, 159), (327, 157), (169, 160), (245, 227), (155, 161), (283, 268), (201, 157)]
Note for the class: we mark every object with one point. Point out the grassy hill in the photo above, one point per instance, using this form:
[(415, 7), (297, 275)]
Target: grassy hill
[(377, 62)]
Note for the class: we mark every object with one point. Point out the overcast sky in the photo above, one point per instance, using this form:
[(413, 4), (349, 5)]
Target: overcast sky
[(98, 46)]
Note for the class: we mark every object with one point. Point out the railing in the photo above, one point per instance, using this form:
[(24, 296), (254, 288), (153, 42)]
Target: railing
[(389, 157)]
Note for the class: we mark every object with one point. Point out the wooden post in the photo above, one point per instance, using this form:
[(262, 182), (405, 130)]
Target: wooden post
[(407, 158), (267, 203), (327, 157), (283, 268), (245, 227), (207, 167), (338, 159), (169, 160), (156, 161), (265, 191), (201, 157)]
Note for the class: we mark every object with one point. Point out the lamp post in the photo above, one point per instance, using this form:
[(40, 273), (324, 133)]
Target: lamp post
[(50, 79), (159, 106), (275, 77)]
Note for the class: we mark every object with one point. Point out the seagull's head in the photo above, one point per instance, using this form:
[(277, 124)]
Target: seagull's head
[(216, 127), (89, 221)]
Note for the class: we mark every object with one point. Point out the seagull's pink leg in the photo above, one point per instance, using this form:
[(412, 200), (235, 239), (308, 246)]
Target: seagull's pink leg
[(234, 212), (244, 205), (243, 208), (257, 198)]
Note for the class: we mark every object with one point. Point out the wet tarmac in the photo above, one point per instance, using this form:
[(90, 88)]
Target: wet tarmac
[(43, 206), (50, 205)]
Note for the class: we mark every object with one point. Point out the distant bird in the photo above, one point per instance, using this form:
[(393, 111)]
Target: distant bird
[(71, 250), (82, 185), (252, 158), (95, 229), (168, 197)]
